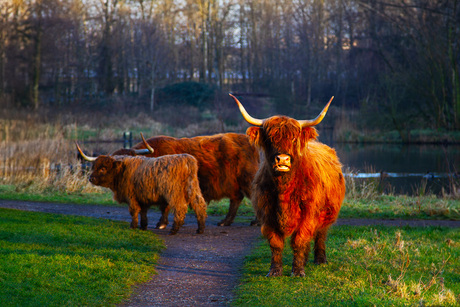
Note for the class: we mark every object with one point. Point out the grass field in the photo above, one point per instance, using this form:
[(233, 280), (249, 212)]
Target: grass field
[(56, 260), (368, 266), (49, 259)]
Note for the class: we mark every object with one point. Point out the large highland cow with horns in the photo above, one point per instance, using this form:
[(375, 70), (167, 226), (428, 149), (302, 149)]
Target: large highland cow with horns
[(298, 189)]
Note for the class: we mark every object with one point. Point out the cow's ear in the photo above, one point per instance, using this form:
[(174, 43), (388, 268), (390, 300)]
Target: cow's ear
[(254, 135), (308, 134)]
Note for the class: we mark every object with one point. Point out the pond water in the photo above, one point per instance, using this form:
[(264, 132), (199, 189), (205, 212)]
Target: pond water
[(406, 168)]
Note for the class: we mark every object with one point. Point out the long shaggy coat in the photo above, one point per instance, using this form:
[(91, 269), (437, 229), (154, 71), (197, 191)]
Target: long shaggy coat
[(302, 202), (170, 182)]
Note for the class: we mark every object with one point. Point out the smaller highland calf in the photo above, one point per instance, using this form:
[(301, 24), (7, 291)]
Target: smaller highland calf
[(170, 182)]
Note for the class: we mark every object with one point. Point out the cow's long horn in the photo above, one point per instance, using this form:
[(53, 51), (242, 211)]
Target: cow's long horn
[(90, 159), (146, 151), (247, 117), (318, 119)]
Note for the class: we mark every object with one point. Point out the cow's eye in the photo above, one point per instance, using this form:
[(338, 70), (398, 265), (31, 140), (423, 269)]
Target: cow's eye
[(103, 170)]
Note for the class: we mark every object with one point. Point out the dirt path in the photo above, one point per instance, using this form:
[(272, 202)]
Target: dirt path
[(194, 270)]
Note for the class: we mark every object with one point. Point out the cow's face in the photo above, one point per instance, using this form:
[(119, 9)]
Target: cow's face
[(283, 141), (105, 169)]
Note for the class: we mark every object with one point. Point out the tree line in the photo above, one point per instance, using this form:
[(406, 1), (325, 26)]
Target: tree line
[(395, 58)]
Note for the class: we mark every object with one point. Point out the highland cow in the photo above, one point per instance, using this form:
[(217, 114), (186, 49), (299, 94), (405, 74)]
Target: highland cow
[(169, 182), (298, 189)]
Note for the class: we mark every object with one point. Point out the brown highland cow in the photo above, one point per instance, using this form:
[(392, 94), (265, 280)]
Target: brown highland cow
[(298, 189), (169, 182)]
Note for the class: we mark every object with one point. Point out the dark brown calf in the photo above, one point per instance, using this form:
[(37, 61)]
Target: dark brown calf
[(169, 182)]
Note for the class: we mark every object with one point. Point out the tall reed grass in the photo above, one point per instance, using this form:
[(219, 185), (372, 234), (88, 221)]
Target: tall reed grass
[(43, 164)]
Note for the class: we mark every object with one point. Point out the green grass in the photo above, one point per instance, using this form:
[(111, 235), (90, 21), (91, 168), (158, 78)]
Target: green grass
[(402, 207), (12, 192), (378, 266), (55, 260)]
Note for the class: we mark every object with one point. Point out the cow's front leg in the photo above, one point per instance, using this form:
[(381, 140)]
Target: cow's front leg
[(320, 246), (300, 245), (276, 243), (179, 217), (134, 210)]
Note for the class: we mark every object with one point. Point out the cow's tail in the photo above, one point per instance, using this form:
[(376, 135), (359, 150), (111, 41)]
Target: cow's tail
[(195, 198)]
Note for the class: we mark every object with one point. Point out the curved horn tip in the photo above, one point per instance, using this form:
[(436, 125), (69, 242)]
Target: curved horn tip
[(147, 145), (318, 119), (246, 116), (89, 159)]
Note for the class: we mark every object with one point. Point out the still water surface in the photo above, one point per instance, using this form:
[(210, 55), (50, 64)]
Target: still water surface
[(405, 167)]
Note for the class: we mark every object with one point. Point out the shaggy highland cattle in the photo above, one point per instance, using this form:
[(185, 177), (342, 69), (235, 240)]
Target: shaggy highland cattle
[(169, 182), (298, 189), (227, 164)]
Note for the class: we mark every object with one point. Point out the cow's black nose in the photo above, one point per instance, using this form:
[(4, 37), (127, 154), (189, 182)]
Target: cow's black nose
[(283, 159)]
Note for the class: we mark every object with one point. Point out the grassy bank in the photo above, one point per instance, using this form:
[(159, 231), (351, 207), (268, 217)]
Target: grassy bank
[(368, 266), (55, 260)]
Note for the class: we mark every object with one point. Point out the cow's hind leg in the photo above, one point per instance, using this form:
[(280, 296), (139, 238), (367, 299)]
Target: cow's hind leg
[(276, 243), (300, 248), (144, 220), (320, 246), (235, 203), (199, 206)]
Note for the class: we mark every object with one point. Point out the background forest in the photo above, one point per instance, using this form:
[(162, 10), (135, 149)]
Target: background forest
[(390, 64)]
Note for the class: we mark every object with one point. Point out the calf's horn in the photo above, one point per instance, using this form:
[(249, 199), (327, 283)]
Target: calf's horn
[(318, 119), (145, 151), (247, 117), (90, 159)]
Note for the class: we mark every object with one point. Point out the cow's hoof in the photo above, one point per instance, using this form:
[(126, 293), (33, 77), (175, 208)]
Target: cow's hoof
[(160, 226), (224, 223), (275, 272), (199, 231), (298, 273), (173, 232), (320, 261), (255, 223)]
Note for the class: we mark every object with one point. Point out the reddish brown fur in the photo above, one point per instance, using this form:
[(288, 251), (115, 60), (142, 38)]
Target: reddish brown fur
[(303, 202), (168, 182), (227, 164)]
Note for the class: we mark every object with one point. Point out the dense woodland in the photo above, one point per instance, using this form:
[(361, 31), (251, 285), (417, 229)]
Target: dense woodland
[(395, 62)]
